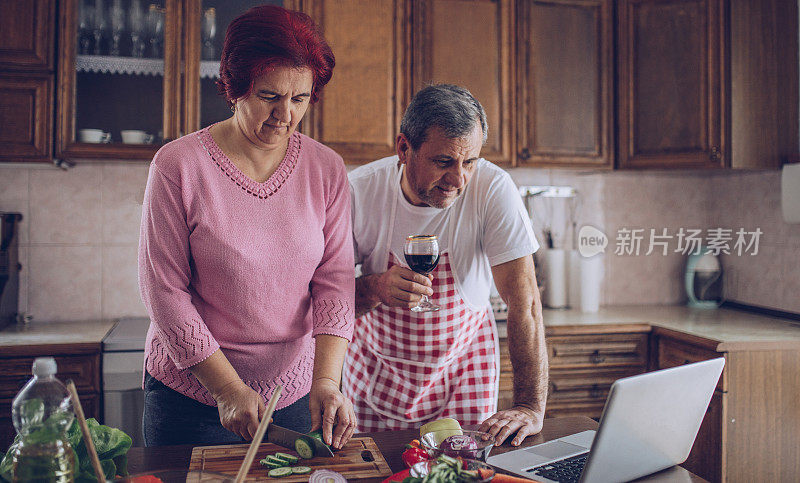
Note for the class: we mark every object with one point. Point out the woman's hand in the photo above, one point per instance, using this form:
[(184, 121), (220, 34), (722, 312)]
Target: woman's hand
[(240, 409), (330, 408)]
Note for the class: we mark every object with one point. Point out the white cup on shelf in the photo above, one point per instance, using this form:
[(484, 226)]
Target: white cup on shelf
[(94, 136), (135, 136)]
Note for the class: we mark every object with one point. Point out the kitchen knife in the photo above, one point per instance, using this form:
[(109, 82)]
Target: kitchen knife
[(286, 438)]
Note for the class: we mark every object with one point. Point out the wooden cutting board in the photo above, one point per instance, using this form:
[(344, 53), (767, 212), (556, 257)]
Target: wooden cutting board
[(352, 461)]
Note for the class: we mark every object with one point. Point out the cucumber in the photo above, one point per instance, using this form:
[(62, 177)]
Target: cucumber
[(279, 472), (287, 457), (301, 470), (279, 462), (304, 447), (270, 464), (316, 434)]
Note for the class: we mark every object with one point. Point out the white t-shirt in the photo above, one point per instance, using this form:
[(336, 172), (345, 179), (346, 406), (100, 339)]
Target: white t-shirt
[(486, 226)]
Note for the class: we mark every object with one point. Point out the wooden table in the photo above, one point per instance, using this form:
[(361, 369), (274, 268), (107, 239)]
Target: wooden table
[(392, 444)]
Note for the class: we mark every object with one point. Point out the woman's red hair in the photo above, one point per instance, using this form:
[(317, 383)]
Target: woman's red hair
[(271, 36)]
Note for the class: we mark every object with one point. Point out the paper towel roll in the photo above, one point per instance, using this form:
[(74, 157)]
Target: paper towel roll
[(790, 193), (574, 279), (555, 273), (591, 280)]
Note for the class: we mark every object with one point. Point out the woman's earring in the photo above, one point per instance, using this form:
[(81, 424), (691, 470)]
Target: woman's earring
[(233, 107)]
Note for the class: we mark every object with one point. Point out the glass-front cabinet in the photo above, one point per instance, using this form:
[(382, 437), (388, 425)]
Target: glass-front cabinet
[(206, 22), (135, 74), (119, 74)]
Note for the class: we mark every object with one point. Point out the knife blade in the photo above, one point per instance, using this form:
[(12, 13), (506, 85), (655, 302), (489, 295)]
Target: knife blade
[(286, 438)]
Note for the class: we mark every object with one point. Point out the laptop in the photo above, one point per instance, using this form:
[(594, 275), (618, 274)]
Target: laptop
[(648, 424)]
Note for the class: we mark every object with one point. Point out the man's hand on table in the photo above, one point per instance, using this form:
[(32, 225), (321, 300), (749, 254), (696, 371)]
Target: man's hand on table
[(525, 421), (330, 407)]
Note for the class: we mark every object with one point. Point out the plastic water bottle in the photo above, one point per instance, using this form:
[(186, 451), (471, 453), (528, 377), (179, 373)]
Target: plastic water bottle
[(42, 413)]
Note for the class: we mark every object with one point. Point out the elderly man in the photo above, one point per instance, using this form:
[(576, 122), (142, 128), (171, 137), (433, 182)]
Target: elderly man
[(405, 368)]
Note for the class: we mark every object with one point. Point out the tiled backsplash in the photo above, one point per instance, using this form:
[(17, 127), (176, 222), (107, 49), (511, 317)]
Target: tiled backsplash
[(80, 232), (78, 238)]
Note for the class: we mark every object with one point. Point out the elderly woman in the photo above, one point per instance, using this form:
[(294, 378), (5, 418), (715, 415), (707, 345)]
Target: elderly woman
[(245, 254)]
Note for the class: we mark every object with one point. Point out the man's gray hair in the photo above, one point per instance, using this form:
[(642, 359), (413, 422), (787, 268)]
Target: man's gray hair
[(452, 108)]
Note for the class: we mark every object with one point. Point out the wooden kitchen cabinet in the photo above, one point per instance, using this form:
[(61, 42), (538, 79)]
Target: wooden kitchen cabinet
[(583, 365), (26, 106), (749, 432), (565, 83), (671, 80), (26, 34), (26, 80), (204, 23), (706, 83), (359, 112), (77, 362), (165, 87), (449, 45), (112, 86), (705, 459)]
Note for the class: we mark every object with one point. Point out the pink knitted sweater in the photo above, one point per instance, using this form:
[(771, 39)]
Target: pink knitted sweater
[(254, 269)]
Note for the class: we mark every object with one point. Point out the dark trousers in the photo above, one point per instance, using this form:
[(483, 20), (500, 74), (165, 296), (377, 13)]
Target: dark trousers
[(171, 418)]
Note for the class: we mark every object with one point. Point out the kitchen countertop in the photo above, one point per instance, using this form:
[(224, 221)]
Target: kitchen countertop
[(46, 333), (730, 329)]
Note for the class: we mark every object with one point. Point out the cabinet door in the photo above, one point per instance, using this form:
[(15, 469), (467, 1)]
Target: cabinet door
[(358, 114), (470, 43), (705, 459), (119, 78), (565, 83), (27, 34), (670, 83), (26, 114), (205, 24)]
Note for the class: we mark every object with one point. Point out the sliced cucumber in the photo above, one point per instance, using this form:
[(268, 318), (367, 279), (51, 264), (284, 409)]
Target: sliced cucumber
[(279, 472), (276, 461), (271, 464), (287, 457), (304, 447), (301, 470), (316, 434)]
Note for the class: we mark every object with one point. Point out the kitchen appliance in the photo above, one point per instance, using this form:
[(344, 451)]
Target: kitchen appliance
[(359, 459), (704, 280), (9, 267), (123, 371)]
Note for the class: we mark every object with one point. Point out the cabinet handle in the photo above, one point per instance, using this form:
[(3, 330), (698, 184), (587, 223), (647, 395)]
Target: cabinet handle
[(525, 154), (596, 358), (715, 154)]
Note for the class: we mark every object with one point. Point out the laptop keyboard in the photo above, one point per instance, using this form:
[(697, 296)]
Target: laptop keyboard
[(567, 470)]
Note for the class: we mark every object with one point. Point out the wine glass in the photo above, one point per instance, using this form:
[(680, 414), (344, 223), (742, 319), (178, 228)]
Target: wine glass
[(100, 25), (136, 26), (422, 256), (209, 32), (155, 27), (117, 15), (85, 27)]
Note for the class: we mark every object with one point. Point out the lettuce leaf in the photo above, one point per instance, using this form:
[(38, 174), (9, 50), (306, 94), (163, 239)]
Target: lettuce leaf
[(112, 446)]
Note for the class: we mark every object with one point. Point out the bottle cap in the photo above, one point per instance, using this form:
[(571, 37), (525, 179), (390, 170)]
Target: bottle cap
[(44, 366)]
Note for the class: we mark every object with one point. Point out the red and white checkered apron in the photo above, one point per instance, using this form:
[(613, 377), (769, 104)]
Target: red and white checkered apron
[(406, 368)]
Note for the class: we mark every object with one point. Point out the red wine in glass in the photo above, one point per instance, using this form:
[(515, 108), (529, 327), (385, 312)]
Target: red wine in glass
[(422, 256), (423, 264)]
